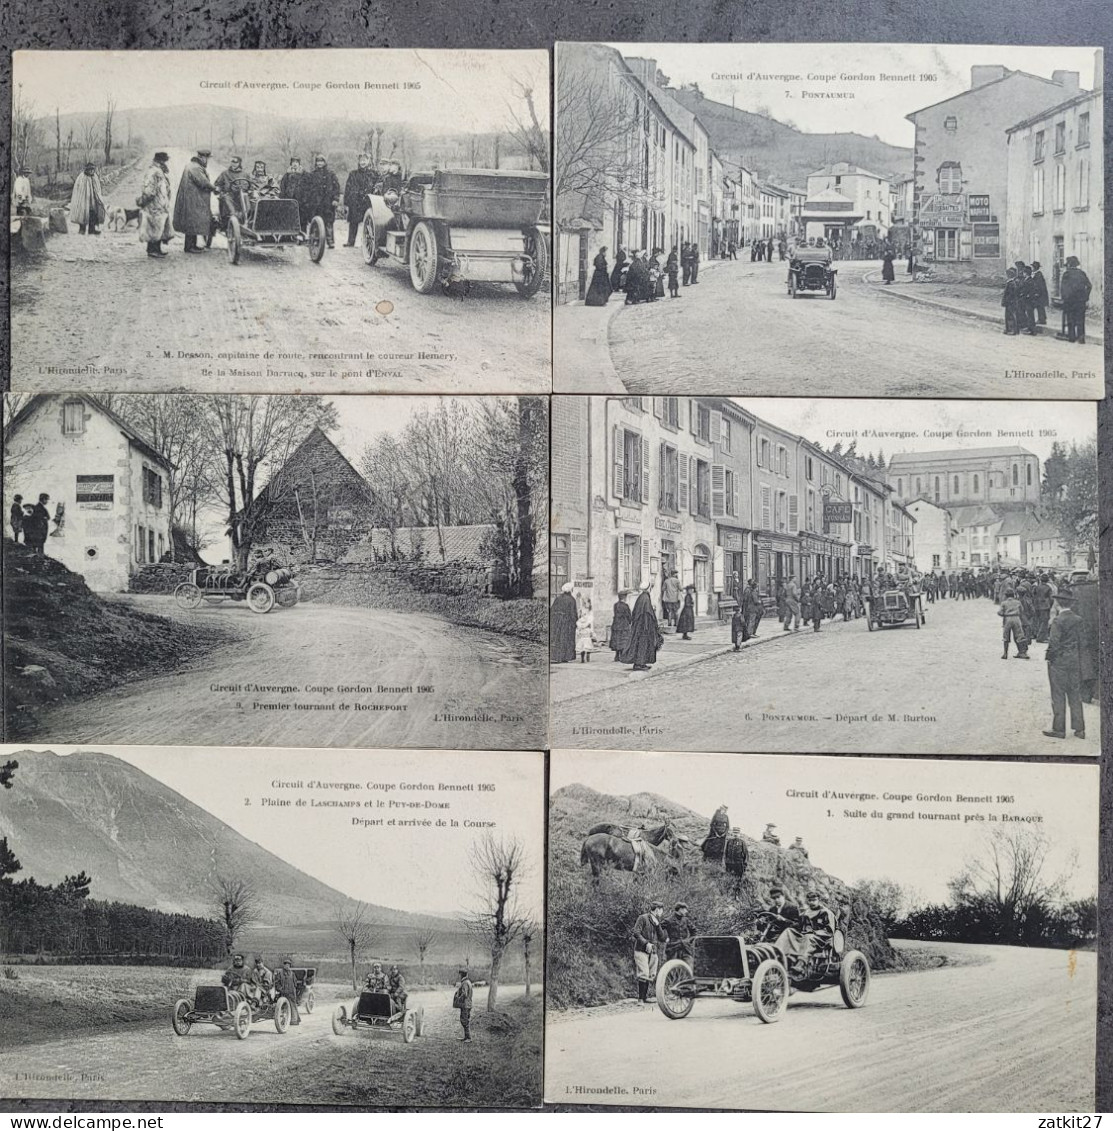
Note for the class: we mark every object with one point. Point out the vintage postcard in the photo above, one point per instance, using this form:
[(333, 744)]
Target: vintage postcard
[(821, 934), (833, 219), (257, 926), (267, 570), (824, 576), (325, 222)]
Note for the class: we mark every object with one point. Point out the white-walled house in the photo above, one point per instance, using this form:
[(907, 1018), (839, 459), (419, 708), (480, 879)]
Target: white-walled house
[(113, 486)]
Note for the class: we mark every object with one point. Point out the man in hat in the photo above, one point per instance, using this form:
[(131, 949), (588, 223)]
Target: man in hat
[(87, 202), (816, 929), (1064, 669), (1038, 287), (649, 937), (192, 207), (236, 975), (680, 933), (1074, 289), (154, 205), (262, 183), (286, 985), (15, 517), (396, 987), (376, 980), (322, 195), (798, 849), (262, 981), (21, 192), (357, 191), (292, 187), (461, 1000), (563, 614), (770, 835), (229, 184), (783, 913), (670, 597)]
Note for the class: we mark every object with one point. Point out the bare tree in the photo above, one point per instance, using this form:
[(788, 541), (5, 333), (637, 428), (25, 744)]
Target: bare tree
[(27, 134), (89, 139), (498, 866), (353, 924), (109, 114), (525, 123), (423, 940), (238, 904), (288, 140)]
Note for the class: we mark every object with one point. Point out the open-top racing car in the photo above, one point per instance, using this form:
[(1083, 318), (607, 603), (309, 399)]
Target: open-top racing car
[(228, 1009), (729, 967), (379, 1011)]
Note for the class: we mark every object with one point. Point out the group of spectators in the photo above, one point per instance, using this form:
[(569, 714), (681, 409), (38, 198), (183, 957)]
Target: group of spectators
[(1026, 300), (641, 276), (32, 521)]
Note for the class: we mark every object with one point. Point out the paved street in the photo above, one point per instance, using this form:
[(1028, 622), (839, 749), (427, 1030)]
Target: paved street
[(738, 332), (943, 689), (338, 327)]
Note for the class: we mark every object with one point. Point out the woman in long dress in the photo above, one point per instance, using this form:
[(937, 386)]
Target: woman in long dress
[(687, 622), (645, 635), (620, 625), (563, 615), (619, 264), (887, 272), (600, 289)]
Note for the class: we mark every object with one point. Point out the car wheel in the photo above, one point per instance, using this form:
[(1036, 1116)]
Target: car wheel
[(673, 1005), (187, 595), (770, 991), (316, 239), (420, 1020), (179, 1018), (235, 240), (307, 1001), (340, 1020), (260, 598), (371, 250), (409, 1027), (538, 251), (854, 979), (241, 1020), (282, 1015), (424, 258)]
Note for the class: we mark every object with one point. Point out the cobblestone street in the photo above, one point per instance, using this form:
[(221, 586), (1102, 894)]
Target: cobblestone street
[(943, 689), (737, 332)]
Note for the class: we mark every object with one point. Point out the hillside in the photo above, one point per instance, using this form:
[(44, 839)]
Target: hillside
[(783, 154), (144, 843), (589, 925)]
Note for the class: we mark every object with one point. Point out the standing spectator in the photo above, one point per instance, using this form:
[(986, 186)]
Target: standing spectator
[(686, 624), (695, 263), (1012, 627), (563, 615), (292, 187), (192, 210), (1039, 298), (792, 605), (15, 517), (620, 625), (645, 636), (461, 1000), (322, 195), (585, 633), (619, 267), (599, 292), (1074, 288), (649, 937), (1010, 300), (672, 269), (1064, 670), (154, 204), (87, 202), (670, 597), (357, 192), (680, 933), (887, 271)]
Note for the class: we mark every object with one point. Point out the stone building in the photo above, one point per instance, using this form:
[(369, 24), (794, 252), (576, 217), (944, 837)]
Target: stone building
[(934, 532), (967, 476), (112, 486), (869, 194)]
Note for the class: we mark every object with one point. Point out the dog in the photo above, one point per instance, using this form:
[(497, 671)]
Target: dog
[(118, 218)]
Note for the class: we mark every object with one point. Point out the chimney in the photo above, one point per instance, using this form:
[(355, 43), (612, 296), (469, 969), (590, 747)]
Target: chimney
[(1099, 69), (986, 72), (644, 69), (1068, 80)]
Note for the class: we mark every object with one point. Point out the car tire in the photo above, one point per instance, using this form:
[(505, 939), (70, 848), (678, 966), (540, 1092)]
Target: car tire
[(182, 1008), (770, 991), (340, 1020), (673, 1007), (241, 1020), (854, 979)]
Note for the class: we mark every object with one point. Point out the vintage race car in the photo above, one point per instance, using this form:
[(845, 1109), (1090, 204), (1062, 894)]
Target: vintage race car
[(379, 1011), (262, 587), (307, 995), (895, 607), (729, 967), (810, 271), (228, 1009)]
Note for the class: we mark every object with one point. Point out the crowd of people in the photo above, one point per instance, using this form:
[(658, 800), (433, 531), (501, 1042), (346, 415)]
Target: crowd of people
[(642, 275), (31, 521), (1025, 299)]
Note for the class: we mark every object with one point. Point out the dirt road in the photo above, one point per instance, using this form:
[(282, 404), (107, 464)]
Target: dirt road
[(492, 688), (148, 1062), (1014, 1032), (99, 302)]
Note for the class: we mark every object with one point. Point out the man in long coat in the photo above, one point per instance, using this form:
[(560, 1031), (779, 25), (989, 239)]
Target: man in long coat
[(357, 189), (1074, 289), (87, 202), (645, 636), (229, 185), (292, 187), (322, 195), (1086, 606), (192, 210), (1064, 670), (563, 615), (154, 204)]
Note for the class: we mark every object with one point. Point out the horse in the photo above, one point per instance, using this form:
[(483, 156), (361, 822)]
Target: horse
[(604, 850)]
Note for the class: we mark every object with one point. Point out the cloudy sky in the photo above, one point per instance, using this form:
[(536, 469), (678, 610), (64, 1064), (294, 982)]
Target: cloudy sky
[(926, 425), (460, 90), (424, 870), (754, 77), (921, 854)]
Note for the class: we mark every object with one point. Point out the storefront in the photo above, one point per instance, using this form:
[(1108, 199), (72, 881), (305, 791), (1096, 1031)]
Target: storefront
[(862, 561), (776, 562), (958, 227), (732, 542)]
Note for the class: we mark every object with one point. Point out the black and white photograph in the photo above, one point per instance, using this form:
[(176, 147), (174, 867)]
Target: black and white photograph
[(821, 934), (272, 926), (267, 570), (829, 218), (264, 221), (824, 576)]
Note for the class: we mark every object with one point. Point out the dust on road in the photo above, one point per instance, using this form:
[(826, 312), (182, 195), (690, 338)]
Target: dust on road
[(1014, 1033), (101, 302), (494, 685)]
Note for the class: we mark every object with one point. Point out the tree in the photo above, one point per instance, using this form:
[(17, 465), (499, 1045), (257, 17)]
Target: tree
[(353, 924), (109, 114), (1074, 509), (90, 139), (27, 135), (498, 866), (528, 933), (238, 905), (525, 125), (1054, 473), (891, 900), (423, 940), (7, 773)]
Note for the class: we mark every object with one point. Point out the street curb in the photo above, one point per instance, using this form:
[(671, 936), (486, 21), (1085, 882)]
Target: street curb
[(962, 311)]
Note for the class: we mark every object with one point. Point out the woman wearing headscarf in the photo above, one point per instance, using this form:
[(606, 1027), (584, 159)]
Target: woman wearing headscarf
[(600, 290), (619, 266), (645, 636), (620, 625), (687, 622), (562, 626)]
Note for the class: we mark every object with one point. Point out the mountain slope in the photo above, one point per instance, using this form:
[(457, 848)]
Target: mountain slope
[(783, 154), (144, 843)]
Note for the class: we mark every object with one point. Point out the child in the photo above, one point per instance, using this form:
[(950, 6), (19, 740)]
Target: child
[(584, 633)]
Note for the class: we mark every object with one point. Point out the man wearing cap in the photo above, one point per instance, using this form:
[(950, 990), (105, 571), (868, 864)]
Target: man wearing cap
[(322, 195), (87, 201), (649, 937), (770, 835), (1074, 290), (286, 985), (262, 981), (154, 205), (357, 190), (376, 980), (234, 977), (228, 185), (1064, 669), (396, 987), (292, 187), (192, 208), (796, 848), (680, 933), (461, 1000), (816, 929)]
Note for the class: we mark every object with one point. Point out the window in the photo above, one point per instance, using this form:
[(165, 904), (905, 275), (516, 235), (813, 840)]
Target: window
[(781, 515), (763, 452), (670, 479), (630, 562), (702, 487), (1037, 192), (956, 484), (632, 460), (1060, 188), (1082, 193), (730, 492), (1016, 478), (937, 488), (670, 411), (919, 486), (151, 545), (634, 404), (95, 489), (140, 542), (1060, 137), (975, 484), (950, 123), (560, 562), (1083, 130), (946, 243), (1029, 475), (900, 488), (950, 177), (1040, 139), (73, 418), (152, 487), (782, 460), (703, 423), (724, 435)]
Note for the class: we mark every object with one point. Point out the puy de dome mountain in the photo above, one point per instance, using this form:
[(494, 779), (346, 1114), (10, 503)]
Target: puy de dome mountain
[(144, 843), (781, 153)]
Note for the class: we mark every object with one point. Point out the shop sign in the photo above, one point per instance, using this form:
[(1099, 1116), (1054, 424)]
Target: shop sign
[(987, 241), (668, 525), (732, 543), (943, 208), (837, 512), (978, 206)]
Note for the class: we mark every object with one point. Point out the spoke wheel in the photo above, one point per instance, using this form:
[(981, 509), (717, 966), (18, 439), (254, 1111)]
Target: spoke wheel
[(260, 598), (187, 595), (339, 1020), (420, 1018), (307, 1001), (409, 1027), (282, 1015), (424, 258), (673, 1005), (235, 240), (854, 979), (538, 251), (371, 250), (316, 239), (770, 991), (241, 1020), (180, 1017)]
